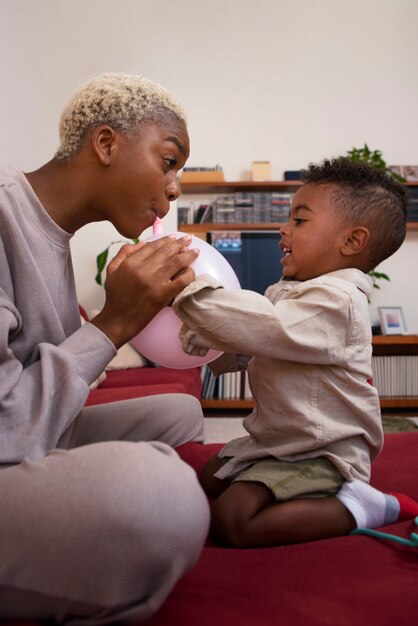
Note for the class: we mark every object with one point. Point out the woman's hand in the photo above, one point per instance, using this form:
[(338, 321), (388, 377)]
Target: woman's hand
[(141, 280)]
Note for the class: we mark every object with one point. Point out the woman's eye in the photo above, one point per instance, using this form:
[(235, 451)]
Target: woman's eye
[(171, 161)]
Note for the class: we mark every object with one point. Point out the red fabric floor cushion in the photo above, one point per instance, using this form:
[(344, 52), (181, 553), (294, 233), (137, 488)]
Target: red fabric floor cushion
[(348, 581), (145, 381), (114, 394)]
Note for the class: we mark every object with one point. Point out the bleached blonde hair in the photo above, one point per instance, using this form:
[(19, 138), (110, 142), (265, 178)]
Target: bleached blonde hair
[(123, 101)]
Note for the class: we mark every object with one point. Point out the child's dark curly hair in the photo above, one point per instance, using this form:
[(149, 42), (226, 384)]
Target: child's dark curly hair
[(369, 197)]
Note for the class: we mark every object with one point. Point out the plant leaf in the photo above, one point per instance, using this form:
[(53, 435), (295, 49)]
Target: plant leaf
[(101, 261)]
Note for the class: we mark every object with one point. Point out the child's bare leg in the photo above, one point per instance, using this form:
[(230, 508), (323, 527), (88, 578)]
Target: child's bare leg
[(246, 515), (213, 486)]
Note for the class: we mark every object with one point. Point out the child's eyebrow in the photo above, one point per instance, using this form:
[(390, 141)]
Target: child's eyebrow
[(298, 207)]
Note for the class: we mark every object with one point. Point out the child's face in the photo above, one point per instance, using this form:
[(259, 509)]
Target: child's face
[(312, 238), (143, 181)]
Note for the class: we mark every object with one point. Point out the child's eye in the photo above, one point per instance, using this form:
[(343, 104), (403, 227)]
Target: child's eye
[(298, 220)]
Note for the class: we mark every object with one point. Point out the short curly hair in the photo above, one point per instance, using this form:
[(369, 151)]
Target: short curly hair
[(124, 101), (368, 197)]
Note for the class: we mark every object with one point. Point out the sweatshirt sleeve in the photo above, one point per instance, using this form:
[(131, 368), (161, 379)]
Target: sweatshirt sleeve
[(40, 399)]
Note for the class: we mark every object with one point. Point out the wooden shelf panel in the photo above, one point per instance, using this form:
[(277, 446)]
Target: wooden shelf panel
[(382, 344), (242, 185), (246, 185), (399, 402), (228, 404), (399, 340), (289, 186), (395, 402), (394, 344), (208, 226)]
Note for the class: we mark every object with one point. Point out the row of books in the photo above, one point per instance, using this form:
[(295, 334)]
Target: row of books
[(239, 207), (392, 376), (256, 207), (249, 207), (230, 386), (395, 375), (413, 204)]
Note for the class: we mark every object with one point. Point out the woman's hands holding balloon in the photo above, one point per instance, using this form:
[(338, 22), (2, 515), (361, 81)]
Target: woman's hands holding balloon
[(141, 280)]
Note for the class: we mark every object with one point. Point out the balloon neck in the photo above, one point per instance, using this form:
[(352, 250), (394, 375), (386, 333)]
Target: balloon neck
[(157, 227)]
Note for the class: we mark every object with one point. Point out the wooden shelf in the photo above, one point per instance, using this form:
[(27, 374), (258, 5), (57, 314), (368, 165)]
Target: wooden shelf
[(249, 185), (394, 344), (209, 226), (401, 402), (241, 185), (228, 404), (246, 185), (382, 345)]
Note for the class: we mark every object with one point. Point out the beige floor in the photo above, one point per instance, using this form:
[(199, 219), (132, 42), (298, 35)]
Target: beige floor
[(222, 429)]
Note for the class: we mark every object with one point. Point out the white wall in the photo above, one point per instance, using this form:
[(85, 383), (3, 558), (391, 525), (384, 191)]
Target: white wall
[(288, 81)]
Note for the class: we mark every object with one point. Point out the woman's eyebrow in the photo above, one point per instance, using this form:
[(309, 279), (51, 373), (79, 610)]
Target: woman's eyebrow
[(178, 143)]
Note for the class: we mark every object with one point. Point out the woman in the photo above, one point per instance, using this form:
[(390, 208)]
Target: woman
[(100, 517)]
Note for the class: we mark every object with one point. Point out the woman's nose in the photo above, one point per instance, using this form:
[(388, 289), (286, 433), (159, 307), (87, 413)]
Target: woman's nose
[(172, 191)]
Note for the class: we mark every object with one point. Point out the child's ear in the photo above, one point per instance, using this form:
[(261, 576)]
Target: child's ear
[(355, 241), (103, 139)]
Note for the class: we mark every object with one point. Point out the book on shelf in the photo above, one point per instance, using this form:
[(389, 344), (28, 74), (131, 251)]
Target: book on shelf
[(229, 386), (251, 207), (395, 375)]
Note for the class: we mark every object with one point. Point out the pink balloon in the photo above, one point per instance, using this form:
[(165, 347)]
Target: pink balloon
[(159, 341)]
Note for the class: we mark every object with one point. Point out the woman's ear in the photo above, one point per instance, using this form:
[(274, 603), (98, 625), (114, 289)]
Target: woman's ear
[(355, 241), (103, 139)]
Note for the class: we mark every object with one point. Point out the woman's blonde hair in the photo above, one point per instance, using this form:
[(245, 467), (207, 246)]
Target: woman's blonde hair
[(123, 101)]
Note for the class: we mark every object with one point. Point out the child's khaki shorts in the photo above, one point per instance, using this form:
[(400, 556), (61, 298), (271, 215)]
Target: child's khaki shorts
[(310, 478)]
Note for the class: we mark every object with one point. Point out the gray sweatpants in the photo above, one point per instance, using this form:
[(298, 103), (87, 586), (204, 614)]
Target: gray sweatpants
[(101, 531)]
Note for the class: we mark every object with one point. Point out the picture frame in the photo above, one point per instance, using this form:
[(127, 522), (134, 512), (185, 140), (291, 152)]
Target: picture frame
[(410, 173), (392, 321)]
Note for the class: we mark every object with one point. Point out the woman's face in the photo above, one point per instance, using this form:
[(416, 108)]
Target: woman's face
[(141, 179)]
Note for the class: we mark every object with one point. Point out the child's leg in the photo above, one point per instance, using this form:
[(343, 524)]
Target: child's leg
[(372, 508), (246, 515), (212, 486)]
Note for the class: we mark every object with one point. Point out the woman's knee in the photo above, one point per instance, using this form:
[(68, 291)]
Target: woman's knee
[(158, 499), (184, 418), (149, 523), (110, 525)]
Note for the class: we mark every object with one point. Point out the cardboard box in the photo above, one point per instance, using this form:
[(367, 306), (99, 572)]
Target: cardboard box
[(261, 170), (202, 177)]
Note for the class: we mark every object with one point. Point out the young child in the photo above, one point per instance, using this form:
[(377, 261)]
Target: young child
[(302, 472)]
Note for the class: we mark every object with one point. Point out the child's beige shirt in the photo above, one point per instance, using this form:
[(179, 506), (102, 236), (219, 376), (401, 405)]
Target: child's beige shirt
[(311, 366)]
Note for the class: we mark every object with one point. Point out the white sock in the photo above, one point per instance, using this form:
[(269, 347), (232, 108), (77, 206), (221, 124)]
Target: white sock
[(369, 507)]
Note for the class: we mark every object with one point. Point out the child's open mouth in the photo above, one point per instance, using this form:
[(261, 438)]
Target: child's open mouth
[(286, 251)]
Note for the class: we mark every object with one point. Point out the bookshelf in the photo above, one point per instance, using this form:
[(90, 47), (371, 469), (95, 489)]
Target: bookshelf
[(383, 345), (231, 187)]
